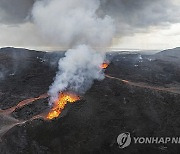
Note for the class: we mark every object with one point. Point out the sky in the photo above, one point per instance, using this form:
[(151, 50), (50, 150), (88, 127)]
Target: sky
[(140, 24)]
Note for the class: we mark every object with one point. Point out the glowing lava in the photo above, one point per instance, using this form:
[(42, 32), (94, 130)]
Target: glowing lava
[(59, 105), (23, 103), (104, 65)]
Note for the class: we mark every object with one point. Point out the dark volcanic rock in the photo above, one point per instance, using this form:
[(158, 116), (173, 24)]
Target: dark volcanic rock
[(148, 69), (172, 55), (30, 110), (109, 108), (27, 75)]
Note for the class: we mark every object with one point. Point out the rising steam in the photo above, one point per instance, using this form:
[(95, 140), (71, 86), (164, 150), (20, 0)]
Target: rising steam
[(74, 24), (77, 70)]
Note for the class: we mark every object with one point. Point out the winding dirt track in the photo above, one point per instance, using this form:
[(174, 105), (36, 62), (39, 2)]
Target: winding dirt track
[(144, 85)]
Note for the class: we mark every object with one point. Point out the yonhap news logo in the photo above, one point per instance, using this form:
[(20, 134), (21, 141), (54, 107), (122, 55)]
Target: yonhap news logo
[(125, 139)]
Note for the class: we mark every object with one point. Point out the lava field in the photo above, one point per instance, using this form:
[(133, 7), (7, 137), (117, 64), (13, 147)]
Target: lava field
[(140, 94)]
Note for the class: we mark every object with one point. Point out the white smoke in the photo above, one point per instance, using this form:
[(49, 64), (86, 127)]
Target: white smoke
[(74, 24), (77, 71)]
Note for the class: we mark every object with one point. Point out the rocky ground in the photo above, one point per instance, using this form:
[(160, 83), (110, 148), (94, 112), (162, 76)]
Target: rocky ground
[(149, 105)]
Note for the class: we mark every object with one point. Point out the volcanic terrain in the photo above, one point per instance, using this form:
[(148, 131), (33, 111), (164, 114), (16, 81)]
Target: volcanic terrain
[(140, 94)]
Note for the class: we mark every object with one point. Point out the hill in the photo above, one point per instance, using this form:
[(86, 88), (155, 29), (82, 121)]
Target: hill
[(139, 95)]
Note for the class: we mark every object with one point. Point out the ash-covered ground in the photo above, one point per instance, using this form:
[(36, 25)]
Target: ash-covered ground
[(140, 95)]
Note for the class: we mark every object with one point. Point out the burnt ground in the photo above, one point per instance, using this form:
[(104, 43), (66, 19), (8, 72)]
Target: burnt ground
[(109, 108)]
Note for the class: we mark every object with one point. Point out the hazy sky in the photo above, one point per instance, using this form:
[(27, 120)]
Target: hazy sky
[(140, 24)]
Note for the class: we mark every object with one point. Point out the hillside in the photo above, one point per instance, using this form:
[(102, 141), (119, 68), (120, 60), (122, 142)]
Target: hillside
[(139, 95), (169, 55)]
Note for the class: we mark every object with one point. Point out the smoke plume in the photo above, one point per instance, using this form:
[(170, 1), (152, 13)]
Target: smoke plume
[(75, 24), (77, 70)]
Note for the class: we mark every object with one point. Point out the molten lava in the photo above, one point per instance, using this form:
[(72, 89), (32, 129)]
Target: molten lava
[(23, 103), (59, 104), (104, 65)]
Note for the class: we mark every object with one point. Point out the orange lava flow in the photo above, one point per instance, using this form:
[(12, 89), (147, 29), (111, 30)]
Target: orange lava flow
[(23, 103), (104, 65), (64, 98)]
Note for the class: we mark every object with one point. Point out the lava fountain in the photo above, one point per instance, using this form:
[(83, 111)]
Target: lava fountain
[(60, 103)]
